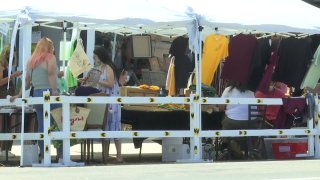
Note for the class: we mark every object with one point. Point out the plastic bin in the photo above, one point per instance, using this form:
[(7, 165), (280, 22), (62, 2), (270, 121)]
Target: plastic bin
[(289, 150)]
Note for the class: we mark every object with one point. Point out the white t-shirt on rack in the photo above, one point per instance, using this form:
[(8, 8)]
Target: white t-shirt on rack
[(237, 111)]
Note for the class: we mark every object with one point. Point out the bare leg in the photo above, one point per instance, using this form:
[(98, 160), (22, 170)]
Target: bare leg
[(107, 147), (117, 142)]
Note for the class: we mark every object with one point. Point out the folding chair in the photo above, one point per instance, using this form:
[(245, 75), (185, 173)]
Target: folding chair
[(256, 150), (95, 122)]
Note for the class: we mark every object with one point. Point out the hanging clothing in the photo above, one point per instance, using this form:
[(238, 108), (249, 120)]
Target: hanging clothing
[(170, 82), (279, 91), (291, 107), (294, 58), (260, 60), (184, 61), (313, 75), (71, 80), (315, 42), (215, 49), (267, 75), (241, 51)]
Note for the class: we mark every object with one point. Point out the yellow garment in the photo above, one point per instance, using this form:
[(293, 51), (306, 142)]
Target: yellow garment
[(171, 82), (215, 49)]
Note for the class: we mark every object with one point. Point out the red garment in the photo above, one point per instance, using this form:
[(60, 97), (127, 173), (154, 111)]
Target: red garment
[(291, 106), (279, 91), (241, 51), (267, 75)]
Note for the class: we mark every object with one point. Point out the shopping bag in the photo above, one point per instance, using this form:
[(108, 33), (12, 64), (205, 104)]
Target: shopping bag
[(78, 117), (79, 61)]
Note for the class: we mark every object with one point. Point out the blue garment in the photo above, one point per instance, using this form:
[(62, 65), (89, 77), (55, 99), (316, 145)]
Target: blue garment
[(39, 110)]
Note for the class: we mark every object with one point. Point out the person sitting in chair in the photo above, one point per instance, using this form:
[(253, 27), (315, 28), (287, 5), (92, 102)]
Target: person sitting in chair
[(236, 117), (108, 83)]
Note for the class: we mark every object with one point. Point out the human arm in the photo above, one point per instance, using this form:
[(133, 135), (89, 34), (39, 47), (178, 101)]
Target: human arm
[(28, 83), (4, 81), (123, 77), (110, 80), (60, 74), (225, 94), (52, 75)]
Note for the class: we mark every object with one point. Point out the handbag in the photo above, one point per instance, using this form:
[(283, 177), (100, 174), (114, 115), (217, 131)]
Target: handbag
[(78, 117), (79, 61)]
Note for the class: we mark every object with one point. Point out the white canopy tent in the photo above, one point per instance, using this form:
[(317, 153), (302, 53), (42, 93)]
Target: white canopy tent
[(272, 15), (168, 18)]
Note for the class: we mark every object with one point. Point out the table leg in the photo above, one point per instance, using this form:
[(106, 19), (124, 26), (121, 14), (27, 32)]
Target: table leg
[(6, 127)]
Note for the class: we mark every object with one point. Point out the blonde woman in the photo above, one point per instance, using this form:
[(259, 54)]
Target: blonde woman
[(4, 62), (42, 74)]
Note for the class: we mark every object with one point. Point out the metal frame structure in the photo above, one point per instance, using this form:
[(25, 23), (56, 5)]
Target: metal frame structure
[(195, 101), (195, 131)]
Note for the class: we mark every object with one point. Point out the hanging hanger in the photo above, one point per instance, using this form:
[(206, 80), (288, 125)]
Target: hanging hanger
[(216, 30)]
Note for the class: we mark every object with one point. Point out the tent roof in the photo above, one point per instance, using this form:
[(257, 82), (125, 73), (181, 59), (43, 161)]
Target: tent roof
[(313, 2), (169, 17)]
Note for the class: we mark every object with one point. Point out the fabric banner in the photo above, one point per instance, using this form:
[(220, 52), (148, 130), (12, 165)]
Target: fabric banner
[(78, 117)]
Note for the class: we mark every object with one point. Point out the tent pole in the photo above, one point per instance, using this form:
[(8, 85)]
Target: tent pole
[(90, 44), (114, 47), (25, 39), (317, 126), (64, 28)]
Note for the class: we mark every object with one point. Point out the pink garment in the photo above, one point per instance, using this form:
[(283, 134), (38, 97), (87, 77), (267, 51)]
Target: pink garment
[(279, 91), (39, 58)]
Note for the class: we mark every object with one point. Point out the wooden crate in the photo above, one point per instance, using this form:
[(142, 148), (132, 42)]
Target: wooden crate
[(135, 91)]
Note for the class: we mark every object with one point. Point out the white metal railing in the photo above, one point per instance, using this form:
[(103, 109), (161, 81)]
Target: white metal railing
[(195, 131)]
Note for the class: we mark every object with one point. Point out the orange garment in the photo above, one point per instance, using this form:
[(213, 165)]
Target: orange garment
[(215, 49), (171, 82)]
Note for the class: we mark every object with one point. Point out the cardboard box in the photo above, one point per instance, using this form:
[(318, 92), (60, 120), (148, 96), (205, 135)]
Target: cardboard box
[(154, 64), (154, 77), (173, 149), (30, 152), (136, 91)]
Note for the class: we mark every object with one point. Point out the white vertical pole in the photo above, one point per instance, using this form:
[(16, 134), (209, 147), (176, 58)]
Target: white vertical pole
[(317, 127), (195, 122), (90, 44), (199, 120), (64, 26), (25, 52), (46, 129), (66, 129), (114, 47), (311, 124), (311, 138)]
